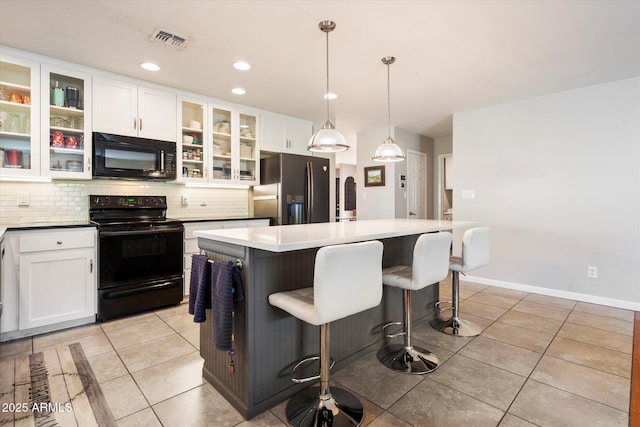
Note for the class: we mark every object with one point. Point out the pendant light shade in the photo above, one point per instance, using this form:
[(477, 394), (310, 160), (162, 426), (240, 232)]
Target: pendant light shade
[(327, 139), (389, 151)]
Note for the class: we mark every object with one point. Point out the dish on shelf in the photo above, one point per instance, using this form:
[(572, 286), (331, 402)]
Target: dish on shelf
[(74, 165)]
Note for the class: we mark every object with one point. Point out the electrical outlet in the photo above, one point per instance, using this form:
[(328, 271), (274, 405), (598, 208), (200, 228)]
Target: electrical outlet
[(23, 199), (592, 272), (185, 200), (468, 194)]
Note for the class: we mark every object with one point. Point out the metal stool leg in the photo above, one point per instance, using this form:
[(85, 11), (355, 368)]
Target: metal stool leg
[(407, 358), (455, 325), (321, 406)]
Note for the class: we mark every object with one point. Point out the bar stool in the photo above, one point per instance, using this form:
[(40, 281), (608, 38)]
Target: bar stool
[(347, 280), (430, 265), (475, 254)]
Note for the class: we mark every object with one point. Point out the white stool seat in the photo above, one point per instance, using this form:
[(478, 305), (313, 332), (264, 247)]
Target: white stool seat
[(298, 303), (430, 265), (347, 279), (398, 276)]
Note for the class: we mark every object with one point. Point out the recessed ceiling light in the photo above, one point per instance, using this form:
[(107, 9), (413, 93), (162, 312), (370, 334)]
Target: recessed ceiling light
[(238, 91), (150, 66), (330, 95), (241, 65)]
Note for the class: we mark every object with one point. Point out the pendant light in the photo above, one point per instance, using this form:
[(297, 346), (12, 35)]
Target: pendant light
[(327, 139), (389, 151)]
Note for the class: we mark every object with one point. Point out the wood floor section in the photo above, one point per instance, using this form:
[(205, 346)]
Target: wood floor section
[(634, 409)]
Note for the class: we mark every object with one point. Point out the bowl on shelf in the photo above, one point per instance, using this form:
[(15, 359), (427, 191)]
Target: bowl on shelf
[(74, 165)]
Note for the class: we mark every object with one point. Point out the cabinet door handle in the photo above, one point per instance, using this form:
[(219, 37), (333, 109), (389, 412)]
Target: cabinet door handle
[(135, 124), (59, 242), (140, 128), (90, 266), (89, 164)]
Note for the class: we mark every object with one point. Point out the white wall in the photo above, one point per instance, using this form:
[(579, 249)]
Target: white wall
[(557, 178), (375, 202)]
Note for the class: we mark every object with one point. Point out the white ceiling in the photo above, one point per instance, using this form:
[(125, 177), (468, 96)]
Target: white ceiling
[(451, 55)]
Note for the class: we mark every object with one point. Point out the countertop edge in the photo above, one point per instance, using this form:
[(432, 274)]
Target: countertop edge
[(235, 237)]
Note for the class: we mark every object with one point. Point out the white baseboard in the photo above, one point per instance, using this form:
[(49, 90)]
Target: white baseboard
[(611, 302)]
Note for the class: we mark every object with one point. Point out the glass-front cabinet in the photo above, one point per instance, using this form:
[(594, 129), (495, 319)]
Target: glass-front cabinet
[(221, 144), (234, 154), (19, 117), (248, 150), (66, 123), (192, 135)]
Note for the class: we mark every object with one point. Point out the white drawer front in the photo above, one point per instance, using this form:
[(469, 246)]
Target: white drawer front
[(57, 240)]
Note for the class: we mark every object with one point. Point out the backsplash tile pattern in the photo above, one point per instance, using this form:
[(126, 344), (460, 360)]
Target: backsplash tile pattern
[(65, 201)]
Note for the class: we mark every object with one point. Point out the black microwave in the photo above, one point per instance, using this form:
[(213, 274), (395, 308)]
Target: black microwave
[(117, 156)]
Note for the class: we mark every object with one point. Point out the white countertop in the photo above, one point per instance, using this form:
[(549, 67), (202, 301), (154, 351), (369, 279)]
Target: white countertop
[(284, 238)]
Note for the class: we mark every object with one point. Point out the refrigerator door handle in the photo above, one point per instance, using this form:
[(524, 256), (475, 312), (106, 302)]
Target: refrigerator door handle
[(309, 193)]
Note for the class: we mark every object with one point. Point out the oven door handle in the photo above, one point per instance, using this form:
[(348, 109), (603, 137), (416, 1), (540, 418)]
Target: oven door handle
[(140, 290), (135, 232)]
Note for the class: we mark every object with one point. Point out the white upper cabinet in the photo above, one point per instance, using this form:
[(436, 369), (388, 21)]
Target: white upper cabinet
[(284, 135), (19, 117), (194, 140), (126, 109), (235, 154), (66, 123)]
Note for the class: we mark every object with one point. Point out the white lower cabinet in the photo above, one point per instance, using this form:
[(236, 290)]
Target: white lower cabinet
[(54, 286), (191, 241)]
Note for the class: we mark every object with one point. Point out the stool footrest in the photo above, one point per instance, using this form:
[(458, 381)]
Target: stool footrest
[(437, 305), (299, 380), (397, 334)]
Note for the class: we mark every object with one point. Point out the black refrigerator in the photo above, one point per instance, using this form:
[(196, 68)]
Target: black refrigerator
[(293, 189)]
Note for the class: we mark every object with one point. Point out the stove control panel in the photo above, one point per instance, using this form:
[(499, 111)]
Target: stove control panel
[(127, 202)]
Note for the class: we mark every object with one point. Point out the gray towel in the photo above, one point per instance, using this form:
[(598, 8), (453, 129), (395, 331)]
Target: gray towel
[(226, 287), (199, 287)]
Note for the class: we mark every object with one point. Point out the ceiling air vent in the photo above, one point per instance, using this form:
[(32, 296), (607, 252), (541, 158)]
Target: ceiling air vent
[(169, 38)]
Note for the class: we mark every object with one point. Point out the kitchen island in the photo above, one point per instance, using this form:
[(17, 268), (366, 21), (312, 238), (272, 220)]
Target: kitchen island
[(268, 341)]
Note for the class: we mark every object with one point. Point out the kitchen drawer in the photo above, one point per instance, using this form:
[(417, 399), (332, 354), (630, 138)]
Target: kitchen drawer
[(57, 240)]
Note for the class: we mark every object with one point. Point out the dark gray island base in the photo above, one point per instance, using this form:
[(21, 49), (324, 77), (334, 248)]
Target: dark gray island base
[(268, 341)]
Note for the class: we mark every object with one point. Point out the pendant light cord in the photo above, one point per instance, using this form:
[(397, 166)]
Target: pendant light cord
[(327, 93), (389, 96)]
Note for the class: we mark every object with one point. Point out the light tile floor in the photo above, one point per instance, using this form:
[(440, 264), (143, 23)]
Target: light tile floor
[(540, 361)]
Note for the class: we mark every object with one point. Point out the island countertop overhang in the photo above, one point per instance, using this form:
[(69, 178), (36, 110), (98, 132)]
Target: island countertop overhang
[(285, 238)]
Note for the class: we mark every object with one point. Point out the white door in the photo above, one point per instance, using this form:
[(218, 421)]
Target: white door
[(416, 185), (115, 107), (157, 114), (56, 286)]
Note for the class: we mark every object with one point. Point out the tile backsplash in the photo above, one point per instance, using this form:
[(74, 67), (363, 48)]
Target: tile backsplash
[(66, 201)]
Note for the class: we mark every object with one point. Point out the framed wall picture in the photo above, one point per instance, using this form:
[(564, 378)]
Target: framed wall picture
[(374, 176)]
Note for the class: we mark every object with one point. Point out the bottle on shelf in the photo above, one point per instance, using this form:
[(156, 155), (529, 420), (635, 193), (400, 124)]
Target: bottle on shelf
[(57, 95)]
